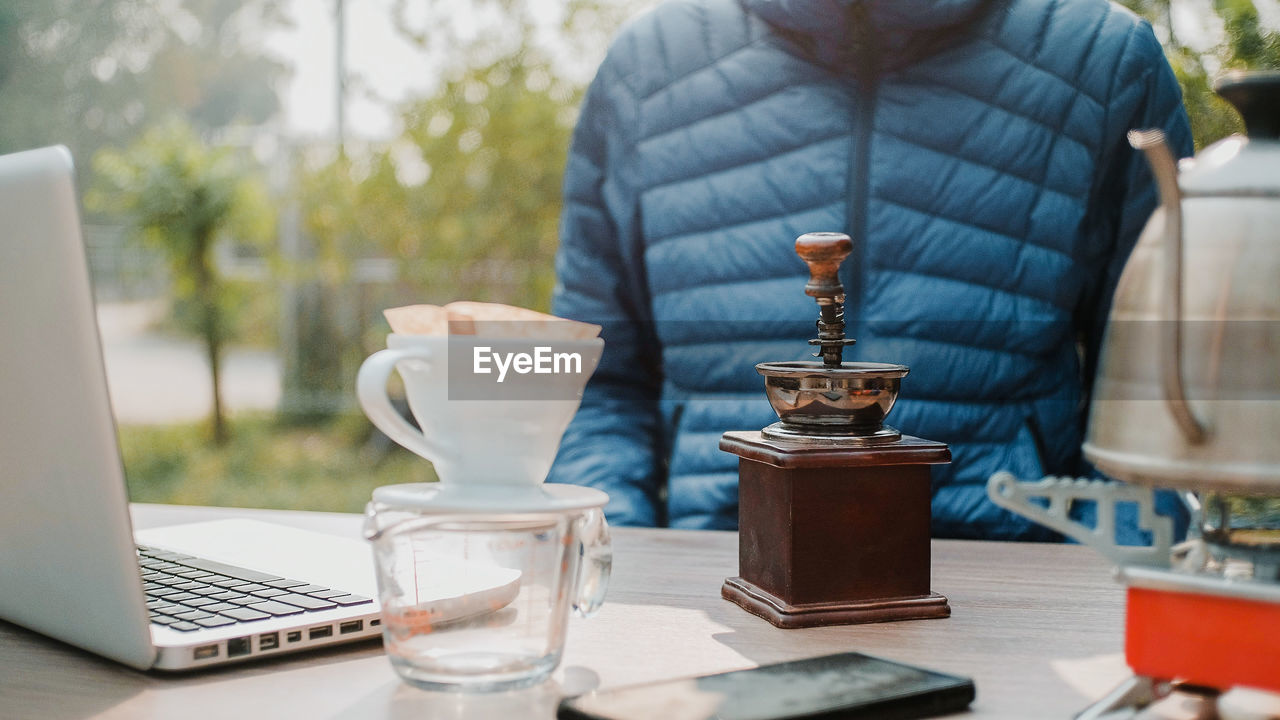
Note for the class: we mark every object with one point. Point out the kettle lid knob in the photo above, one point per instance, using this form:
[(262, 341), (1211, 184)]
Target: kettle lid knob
[(1256, 95)]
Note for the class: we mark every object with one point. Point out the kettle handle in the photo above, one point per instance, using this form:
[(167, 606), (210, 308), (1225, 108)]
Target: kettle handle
[(1164, 167)]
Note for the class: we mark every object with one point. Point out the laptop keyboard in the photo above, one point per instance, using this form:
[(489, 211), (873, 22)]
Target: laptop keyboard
[(187, 593)]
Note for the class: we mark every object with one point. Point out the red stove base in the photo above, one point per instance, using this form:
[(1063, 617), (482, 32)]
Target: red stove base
[(1205, 639)]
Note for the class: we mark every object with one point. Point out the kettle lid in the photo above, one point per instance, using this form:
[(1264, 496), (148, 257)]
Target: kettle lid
[(1241, 165), (1256, 96)]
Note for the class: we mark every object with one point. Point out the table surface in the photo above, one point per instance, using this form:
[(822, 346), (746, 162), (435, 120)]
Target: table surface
[(1038, 627)]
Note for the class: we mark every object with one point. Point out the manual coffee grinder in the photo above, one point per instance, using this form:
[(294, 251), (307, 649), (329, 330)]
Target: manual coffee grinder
[(833, 505)]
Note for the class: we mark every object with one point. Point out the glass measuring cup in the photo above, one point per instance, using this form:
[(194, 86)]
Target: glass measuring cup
[(478, 598)]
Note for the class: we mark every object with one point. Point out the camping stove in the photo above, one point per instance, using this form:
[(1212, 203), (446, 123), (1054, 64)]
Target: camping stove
[(833, 505), (1212, 618), (1202, 614), (1187, 397)]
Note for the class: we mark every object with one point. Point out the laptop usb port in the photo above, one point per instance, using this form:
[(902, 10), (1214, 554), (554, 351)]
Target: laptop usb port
[(323, 631), (204, 652), (350, 626), (268, 641), (237, 647)]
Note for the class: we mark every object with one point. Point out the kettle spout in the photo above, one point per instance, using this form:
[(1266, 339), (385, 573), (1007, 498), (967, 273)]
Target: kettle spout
[(1165, 168)]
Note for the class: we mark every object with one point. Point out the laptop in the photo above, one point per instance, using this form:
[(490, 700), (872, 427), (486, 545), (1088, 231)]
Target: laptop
[(176, 598)]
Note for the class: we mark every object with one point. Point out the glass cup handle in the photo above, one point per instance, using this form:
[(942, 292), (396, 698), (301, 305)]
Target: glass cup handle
[(371, 390), (595, 565)]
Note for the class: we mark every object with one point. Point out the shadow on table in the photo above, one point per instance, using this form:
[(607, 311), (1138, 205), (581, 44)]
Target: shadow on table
[(30, 665), (30, 675), (398, 700)]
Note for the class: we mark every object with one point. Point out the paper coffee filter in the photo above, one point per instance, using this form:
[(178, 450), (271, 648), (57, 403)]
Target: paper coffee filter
[(418, 320), (465, 317)]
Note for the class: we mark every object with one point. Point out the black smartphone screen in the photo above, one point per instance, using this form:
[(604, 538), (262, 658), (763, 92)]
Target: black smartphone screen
[(846, 685)]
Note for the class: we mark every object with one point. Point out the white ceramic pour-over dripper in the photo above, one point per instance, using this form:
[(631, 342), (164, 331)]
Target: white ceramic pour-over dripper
[(485, 441)]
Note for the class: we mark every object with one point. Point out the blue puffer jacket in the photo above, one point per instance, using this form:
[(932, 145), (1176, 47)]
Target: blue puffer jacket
[(975, 151)]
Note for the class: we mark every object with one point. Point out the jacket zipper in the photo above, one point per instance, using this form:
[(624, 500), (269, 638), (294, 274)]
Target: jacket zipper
[(866, 82)]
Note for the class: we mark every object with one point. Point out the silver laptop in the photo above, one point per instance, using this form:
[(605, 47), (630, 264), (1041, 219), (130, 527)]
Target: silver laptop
[(70, 566)]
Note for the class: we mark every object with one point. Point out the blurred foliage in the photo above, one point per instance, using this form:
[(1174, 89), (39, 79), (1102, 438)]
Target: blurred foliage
[(466, 200), (184, 197), (97, 73), (1248, 512), (1245, 44), (329, 466), (251, 313)]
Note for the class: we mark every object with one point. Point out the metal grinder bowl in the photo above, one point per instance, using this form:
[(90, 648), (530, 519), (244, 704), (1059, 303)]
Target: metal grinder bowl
[(813, 399)]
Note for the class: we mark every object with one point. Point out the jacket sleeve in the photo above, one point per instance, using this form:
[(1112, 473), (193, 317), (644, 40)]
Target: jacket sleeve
[(1146, 95), (614, 441)]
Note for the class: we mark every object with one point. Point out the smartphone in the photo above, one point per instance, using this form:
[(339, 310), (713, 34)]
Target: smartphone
[(845, 685)]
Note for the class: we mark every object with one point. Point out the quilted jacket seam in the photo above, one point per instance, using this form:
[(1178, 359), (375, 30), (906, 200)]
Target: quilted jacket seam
[(986, 102), (722, 282), (627, 134), (1001, 289), (1114, 93), (971, 346), (670, 84), (900, 271), (704, 26), (1043, 30), (1035, 66), (725, 342), (1084, 56), (659, 241), (663, 55), (1075, 98), (1124, 53), (719, 114), (971, 161), (610, 64), (1139, 82), (942, 216)]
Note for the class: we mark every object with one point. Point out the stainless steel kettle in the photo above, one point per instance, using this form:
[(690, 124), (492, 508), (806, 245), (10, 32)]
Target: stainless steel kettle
[(1188, 385)]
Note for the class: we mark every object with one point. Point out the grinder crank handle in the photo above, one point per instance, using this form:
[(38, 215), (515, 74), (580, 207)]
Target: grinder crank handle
[(823, 252)]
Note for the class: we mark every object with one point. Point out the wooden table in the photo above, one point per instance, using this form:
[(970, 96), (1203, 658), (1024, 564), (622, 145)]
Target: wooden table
[(1038, 627)]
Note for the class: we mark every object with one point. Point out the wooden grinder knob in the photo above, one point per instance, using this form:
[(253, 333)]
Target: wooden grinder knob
[(823, 252)]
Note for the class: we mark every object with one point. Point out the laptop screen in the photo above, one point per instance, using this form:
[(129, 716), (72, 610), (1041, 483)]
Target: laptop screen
[(68, 566)]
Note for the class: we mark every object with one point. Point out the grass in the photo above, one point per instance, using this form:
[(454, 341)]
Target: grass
[(332, 465)]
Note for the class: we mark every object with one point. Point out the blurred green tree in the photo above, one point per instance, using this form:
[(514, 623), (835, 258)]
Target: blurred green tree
[(95, 74), (1244, 44), (335, 207), (471, 189), (491, 145), (466, 200), (184, 197), (466, 203)]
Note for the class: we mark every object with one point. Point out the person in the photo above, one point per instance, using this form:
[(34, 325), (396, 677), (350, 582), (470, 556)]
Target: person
[(975, 151)]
